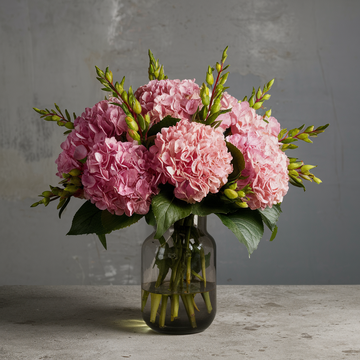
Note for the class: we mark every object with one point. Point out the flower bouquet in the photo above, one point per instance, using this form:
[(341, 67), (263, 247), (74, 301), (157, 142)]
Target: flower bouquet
[(174, 152)]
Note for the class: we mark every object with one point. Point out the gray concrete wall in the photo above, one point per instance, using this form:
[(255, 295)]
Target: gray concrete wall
[(48, 50)]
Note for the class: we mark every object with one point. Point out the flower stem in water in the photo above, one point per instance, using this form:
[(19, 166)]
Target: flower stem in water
[(155, 302)]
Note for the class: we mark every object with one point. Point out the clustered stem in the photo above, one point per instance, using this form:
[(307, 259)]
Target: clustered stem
[(181, 277)]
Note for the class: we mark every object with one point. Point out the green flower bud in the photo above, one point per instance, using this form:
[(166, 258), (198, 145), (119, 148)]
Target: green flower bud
[(99, 72), (295, 165), (257, 105), (69, 125), (75, 181), (293, 132), (317, 180), (61, 203), (55, 118), (224, 78), (259, 93), (230, 194), (75, 172), (293, 173), (233, 186), (147, 119), (142, 123), (119, 88), (134, 135), (60, 123), (242, 204), (131, 123), (306, 168), (306, 177), (224, 55), (124, 96), (216, 106), (309, 129), (303, 136), (109, 76), (241, 193), (45, 201), (71, 188), (137, 107), (270, 84), (35, 204), (209, 78), (218, 67), (268, 113), (47, 193), (266, 97), (65, 175)]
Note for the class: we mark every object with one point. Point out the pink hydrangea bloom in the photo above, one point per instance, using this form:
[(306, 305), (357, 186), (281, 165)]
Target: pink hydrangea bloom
[(247, 119), (230, 118), (120, 177), (102, 121), (179, 99), (266, 168), (194, 158)]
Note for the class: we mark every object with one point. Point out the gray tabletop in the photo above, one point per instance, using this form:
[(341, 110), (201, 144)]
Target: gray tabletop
[(252, 322)]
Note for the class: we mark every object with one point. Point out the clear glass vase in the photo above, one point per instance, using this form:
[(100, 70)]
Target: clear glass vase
[(179, 278)]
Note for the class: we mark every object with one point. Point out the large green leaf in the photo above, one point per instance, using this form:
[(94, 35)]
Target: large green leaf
[(213, 204), (150, 217), (87, 220), (238, 161), (165, 122), (113, 222), (247, 226), (270, 216), (168, 209)]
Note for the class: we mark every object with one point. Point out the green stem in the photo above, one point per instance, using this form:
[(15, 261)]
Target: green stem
[(197, 275), (206, 297), (203, 267), (163, 311), (155, 302), (174, 307), (145, 295), (191, 310)]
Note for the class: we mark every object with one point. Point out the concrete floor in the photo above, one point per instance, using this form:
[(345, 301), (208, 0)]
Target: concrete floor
[(252, 322)]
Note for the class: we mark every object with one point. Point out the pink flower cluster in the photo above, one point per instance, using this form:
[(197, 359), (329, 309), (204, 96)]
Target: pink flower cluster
[(120, 177), (266, 164), (95, 124), (194, 158), (179, 99)]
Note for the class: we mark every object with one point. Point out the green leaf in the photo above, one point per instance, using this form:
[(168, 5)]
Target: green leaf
[(102, 239), (270, 216), (150, 218), (237, 162), (273, 235), (87, 220), (168, 209), (212, 204), (165, 122), (247, 226), (64, 206), (113, 222)]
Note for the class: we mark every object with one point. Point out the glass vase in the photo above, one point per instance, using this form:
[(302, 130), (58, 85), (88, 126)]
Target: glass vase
[(179, 278)]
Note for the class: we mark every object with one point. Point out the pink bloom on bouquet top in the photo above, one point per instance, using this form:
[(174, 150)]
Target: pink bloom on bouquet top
[(120, 177), (160, 98), (102, 121), (247, 119), (266, 168), (230, 118), (194, 158)]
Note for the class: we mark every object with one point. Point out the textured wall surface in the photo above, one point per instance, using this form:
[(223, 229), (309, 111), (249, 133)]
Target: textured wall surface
[(48, 50)]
